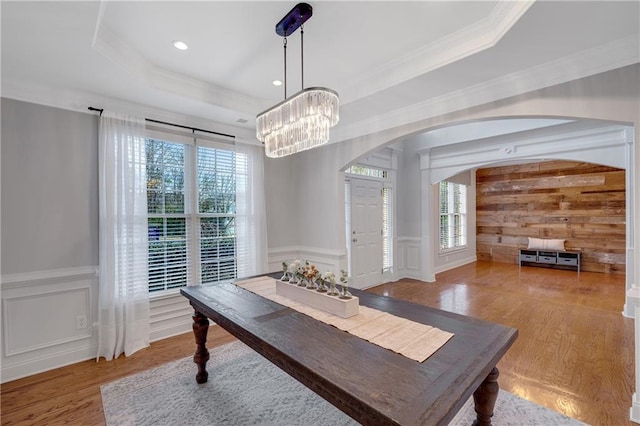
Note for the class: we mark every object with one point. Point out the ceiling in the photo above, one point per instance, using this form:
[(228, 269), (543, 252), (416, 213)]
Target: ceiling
[(391, 62)]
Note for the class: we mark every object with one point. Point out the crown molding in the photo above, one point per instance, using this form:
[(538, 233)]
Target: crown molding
[(470, 40), (80, 101), (582, 64)]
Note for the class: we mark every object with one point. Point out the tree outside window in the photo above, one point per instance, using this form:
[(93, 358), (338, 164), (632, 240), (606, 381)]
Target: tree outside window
[(191, 230)]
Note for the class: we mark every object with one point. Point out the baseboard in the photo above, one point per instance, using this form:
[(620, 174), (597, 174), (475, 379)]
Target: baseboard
[(41, 364), (456, 264), (634, 412), (324, 259)]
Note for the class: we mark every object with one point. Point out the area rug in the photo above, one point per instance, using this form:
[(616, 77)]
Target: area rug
[(246, 389)]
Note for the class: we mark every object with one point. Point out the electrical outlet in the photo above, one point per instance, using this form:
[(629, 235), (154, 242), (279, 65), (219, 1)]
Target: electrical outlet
[(81, 322)]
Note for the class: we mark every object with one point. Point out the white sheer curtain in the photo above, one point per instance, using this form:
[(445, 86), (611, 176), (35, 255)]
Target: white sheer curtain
[(123, 311), (251, 223)]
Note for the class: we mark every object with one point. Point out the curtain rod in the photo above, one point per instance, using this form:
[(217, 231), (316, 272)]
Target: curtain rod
[(100, 110)]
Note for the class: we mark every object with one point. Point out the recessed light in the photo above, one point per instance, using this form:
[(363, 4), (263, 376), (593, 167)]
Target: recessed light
[(277, 83), (180, 45)]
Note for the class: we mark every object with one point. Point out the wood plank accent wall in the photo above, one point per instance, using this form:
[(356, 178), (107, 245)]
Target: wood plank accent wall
[(580, 202)]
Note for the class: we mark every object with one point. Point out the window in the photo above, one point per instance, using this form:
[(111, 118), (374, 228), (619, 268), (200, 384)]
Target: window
[(387, 242), (453, 215), (191, 203), (168, 224), (367, 171)]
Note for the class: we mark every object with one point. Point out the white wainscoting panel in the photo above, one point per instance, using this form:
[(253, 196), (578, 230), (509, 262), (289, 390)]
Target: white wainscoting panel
[(170, 315), (408, 258), (324, 259), (280, 254), (40, 314), (36, 321)]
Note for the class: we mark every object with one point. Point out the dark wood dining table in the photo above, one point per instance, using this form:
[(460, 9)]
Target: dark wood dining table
[(373, 385)]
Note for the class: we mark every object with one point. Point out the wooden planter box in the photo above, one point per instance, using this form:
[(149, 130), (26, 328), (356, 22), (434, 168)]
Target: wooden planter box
[(343, 308)]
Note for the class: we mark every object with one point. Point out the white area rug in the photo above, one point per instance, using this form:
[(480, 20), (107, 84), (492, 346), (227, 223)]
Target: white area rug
[(246, 389)]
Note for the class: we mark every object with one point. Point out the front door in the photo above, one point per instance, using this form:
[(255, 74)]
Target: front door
[(366, 232)]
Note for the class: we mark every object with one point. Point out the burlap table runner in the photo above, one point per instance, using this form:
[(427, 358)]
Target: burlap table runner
[(409, 338)]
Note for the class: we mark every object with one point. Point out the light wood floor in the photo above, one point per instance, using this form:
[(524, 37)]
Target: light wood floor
[(574, 353)]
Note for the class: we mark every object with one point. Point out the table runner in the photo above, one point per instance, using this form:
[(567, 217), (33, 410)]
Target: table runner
[(409, 338)]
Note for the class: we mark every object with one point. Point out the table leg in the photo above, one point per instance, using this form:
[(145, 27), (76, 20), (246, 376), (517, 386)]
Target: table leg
[(200, 329), (484, 399)]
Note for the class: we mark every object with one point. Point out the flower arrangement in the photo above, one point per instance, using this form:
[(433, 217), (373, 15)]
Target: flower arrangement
[(344, 279), (331, 278), (305, 274), (292, 270), (311, 273)]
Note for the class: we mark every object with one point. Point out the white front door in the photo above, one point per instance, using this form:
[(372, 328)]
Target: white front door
[(366, 232)]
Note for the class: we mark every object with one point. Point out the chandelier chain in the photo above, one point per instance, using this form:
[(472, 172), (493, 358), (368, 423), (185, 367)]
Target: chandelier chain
[(302, 57), (284, 44)]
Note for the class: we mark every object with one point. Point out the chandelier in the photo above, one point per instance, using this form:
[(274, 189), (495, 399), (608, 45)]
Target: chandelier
[(301, 121)]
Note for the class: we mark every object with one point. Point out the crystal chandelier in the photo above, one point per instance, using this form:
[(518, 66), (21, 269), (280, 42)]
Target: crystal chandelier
[(301, 121)]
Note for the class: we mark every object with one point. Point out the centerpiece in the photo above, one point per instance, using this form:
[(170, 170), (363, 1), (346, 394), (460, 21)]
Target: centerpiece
[(307, 285)]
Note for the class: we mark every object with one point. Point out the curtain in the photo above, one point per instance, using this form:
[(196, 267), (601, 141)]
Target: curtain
[(251, 223), (123, 311)]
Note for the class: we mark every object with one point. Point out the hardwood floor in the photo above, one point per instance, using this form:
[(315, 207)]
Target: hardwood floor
[(574, 353), (575, 350), (71, 395)]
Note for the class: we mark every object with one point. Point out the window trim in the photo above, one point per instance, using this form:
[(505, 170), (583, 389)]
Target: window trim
[(464, 215), (191, 212)]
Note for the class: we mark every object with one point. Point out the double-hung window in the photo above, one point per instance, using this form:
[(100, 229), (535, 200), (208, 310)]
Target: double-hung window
[(453, 215), (191, 202)]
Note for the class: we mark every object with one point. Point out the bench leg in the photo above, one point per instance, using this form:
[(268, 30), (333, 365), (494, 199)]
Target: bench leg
[(200, 329), (484, 399)]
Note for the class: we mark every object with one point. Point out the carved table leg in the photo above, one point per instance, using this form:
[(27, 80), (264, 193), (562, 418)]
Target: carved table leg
[(200, 329), (484, 399)]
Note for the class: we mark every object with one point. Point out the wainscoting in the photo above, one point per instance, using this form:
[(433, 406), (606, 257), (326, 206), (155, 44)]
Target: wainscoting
[(324, 259), (47, 320), (408, 258), (169, 315)]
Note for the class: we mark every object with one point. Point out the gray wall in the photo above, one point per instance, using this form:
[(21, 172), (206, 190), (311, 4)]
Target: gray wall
[(49, 188), (280, 198)]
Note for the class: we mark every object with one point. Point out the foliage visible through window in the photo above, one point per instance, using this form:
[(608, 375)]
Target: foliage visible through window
[(453, 215), (217, 208), (191, 234), (168, 224)]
